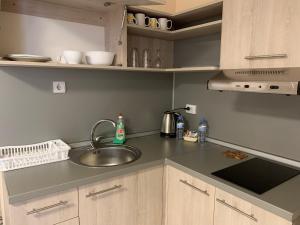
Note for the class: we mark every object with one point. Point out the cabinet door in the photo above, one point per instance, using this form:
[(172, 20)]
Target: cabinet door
[(231, 210), (237, 24), (46, 210), (189, 201), (274, 24), (260, 34), (111, 202), (150, 196)]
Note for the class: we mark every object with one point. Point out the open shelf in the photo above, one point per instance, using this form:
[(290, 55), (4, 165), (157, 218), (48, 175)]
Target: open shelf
[(201, 12), (195, 69), (185, 33), (4, 63)]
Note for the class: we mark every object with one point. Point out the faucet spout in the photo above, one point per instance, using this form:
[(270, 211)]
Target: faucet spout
[(92, 137)]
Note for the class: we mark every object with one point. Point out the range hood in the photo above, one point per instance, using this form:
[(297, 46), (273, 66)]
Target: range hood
[(274, 81)]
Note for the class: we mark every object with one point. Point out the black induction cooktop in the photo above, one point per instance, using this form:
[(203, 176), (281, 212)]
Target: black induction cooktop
[(257, 175)]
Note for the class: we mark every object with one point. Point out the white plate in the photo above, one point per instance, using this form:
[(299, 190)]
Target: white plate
[(27, 58)]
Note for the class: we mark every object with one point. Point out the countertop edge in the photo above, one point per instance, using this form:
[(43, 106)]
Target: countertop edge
[(15, 199)]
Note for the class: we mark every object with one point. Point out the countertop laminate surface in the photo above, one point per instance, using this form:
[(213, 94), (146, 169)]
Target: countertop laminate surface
[(195, 159)]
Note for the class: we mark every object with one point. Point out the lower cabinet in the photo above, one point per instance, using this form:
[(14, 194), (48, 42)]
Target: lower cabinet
[(153, 196), (111, 202), (150, 196), (134, 199), (74, 221), (48, 210), (231, 210), (189, 201)]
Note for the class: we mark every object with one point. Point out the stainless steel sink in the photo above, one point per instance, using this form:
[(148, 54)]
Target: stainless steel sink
[(105, 156)]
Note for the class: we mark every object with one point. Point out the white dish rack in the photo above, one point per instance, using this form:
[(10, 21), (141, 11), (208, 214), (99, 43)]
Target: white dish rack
[(16, 157)]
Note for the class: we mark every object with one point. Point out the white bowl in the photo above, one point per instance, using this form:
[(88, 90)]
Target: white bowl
[(72, 57), (99, 58)]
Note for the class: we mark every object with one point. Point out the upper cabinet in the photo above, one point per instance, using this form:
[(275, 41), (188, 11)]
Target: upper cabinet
[(260, 34)]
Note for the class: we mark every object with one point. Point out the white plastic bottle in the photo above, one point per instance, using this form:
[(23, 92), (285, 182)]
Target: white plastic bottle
[(202, 130), (180, 127)]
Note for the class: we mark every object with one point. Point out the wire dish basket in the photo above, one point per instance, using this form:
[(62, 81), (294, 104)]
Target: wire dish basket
[(16, 157)]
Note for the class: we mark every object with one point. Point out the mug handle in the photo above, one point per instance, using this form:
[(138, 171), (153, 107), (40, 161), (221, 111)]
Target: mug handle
[(171, 24), (134, 21), (157, 23), (147, 18)]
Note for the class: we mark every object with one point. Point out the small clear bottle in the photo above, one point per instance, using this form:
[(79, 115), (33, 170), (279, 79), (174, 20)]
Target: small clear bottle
[(146, 58), (202, 130), (180, 127), (157, 62)]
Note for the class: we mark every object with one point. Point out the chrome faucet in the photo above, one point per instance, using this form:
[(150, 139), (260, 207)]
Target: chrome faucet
[(98, 139)]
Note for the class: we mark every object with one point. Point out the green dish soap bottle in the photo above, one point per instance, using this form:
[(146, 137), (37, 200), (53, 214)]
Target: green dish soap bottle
[(120, 131)]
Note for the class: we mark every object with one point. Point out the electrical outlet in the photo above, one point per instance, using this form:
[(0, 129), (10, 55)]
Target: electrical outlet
[(192, 110), (59, 87)]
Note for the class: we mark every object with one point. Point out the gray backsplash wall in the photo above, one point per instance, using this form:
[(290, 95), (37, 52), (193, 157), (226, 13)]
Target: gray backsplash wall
[(265, 122), (269, 123), (31, 113), (201, 51)]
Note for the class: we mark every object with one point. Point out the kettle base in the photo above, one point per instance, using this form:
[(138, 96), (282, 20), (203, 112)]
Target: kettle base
[(166, 135)]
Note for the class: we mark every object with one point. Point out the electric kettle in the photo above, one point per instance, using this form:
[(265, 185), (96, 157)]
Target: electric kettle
[(168, 125)]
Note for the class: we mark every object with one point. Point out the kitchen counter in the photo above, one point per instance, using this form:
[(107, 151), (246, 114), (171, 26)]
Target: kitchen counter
[(195, 159)]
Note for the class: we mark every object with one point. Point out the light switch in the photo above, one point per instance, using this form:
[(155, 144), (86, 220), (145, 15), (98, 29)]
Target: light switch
[(59, 87)]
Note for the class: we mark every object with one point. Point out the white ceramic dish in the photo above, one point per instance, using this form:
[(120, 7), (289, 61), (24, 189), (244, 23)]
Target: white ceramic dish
[(99, 58), (27, 58), (72, 57)]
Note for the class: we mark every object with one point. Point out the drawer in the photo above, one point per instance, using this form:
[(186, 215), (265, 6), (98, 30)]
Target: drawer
[(74, 221), (229, 209), (48, 210)]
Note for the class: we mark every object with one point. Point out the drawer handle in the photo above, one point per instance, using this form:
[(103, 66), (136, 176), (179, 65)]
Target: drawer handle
[(195, 188), (35, 211), (275, 56), (223, 202), (103, 191)]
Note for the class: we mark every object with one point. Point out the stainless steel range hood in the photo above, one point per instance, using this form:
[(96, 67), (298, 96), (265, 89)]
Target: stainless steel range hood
[(274, 81)]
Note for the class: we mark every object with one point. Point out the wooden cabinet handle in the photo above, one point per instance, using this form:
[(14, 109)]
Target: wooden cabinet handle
[(103, 191), (195, 188), (223, 202), (35, 211), (274, 56)]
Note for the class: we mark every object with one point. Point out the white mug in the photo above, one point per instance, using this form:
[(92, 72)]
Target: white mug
[(165, 24), (141, 19), (71, 57)]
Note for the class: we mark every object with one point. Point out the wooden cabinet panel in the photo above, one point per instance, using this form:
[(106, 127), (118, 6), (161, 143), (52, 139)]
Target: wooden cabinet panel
[(150, 196), (74, 221), (46, 210), (111, 202), (186, 5), (231, 210), (189, 201), (237, 25), (260, 34)]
